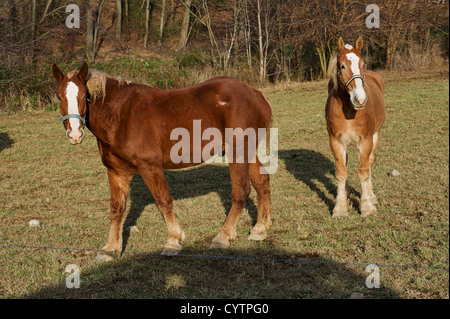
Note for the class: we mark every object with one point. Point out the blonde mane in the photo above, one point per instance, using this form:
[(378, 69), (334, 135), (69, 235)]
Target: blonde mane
[(333, 71), (96, 84)]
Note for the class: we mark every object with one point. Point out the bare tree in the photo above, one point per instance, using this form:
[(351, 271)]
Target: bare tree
[(119, 20), (184, 35), (162, 20), (89, 27), (148, 8)]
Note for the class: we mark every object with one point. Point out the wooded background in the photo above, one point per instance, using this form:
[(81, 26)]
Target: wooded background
[(174, 43)]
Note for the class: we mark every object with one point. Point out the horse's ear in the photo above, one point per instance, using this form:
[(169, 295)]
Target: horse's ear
[(359, 44), (83, 73), (341, 44), (59, 76)]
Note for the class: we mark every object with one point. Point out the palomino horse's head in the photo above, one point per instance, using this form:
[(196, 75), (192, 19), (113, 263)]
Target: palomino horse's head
[(72, 93), (350, 72)]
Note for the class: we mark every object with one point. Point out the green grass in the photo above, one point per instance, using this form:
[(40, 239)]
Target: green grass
[(65, 187)]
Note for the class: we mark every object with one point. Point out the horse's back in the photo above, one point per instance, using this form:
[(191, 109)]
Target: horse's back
[(238, 103)]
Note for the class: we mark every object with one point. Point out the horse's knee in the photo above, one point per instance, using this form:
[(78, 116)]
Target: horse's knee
[(341, 176), (363, 174)]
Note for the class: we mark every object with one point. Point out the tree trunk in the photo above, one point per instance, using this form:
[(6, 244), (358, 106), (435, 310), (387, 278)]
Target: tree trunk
[(119, 21), (248, 35), (126, 11), (185, 24), (147, 22), (261, 47), (33, 31), (89, 28), (161, 24), (96, 26)]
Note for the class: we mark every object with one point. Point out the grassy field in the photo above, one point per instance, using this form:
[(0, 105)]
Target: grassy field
[(39, 169)]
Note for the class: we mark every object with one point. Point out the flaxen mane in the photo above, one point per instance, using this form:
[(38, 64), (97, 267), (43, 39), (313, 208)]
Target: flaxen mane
[(333, 71), (96, 84)]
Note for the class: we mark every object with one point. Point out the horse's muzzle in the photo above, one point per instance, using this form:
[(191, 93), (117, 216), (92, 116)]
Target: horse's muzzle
[(75, 139), (360, 104)]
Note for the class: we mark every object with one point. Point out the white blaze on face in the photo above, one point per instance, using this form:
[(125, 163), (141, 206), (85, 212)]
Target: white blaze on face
[(71, 95), (358, 95)]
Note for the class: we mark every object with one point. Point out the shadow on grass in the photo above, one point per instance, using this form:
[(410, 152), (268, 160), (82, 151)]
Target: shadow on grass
[(193, 277), (191, 183), (309, 166), (5, 141)]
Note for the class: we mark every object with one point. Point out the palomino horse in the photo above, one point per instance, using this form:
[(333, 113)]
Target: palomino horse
[(134, 123), (355, 113)]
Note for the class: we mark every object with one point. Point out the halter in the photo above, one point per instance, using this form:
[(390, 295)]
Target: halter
[(354, 77), (73, 116), (76, 116)]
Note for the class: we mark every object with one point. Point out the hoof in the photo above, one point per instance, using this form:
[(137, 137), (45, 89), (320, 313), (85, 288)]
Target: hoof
[(217, 245), (103, 257), (258, 233), (368, 208), (340, 213), (170, 252), (171, 248), (257, 237), (340, 210), (220, 242)]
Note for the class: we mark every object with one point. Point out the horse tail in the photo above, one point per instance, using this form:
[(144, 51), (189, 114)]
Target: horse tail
[(270, 121)]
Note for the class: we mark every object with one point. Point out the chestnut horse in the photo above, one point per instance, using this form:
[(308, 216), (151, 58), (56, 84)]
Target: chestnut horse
[(355, 113), (133, 124)]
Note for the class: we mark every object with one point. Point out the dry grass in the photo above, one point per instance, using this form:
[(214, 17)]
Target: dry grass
[(43, 177)]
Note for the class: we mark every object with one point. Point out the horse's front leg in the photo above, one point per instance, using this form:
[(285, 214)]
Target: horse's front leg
[(368, 198), (157, 184), (340, 156), (119, 185)]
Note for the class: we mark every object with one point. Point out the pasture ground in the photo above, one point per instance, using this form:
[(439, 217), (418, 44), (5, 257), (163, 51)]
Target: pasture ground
[(65, 187)]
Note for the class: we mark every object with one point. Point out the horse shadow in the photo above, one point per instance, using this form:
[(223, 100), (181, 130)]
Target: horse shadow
[(233, 274), (5, 141), (310, 168), (195, 182)]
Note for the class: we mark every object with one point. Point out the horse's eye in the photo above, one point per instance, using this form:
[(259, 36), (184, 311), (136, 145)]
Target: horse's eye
[(343, 66), (58, 97)]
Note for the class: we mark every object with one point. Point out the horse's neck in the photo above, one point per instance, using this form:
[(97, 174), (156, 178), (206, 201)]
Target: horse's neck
[(103, 112), (344, 98)]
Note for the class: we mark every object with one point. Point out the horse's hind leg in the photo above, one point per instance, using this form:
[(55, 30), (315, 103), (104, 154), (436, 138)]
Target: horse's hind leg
[(157, 184), (261, 184), (364, 173), (340, 156), (240, 189)]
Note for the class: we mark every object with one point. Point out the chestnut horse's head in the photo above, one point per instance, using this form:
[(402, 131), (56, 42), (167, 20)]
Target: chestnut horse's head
[(350, 72), (73, 94)]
